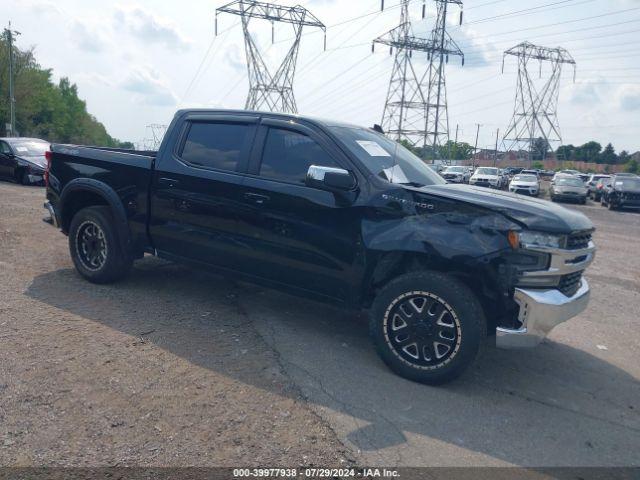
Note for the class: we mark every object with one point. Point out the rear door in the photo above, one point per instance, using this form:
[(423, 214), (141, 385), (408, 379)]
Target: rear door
[(197, 189), (303, 237)]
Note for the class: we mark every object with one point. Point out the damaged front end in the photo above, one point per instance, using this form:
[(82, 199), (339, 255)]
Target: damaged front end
[(528, 281)]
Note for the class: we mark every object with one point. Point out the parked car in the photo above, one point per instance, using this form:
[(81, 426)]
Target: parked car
[(511, 171), (568, 187), (599, 188), (525, 184), (592, 183), (486, 177), (333, 212), (456, 174), (23, 160), (622, 192)]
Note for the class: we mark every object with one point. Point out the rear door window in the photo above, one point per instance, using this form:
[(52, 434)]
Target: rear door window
[(218, 146), (287, 156)]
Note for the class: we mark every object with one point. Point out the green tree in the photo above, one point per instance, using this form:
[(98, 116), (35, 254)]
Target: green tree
[(45, 109), (608, 155), (539, 148), (566, 152), (633, 167), (538, 165), (589, 152), (623, 157), (456, 151)]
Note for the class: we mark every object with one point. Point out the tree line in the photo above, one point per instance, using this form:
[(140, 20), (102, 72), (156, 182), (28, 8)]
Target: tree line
[(45, 109)]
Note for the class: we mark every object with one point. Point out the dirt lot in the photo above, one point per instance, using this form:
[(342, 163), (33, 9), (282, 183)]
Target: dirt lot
[(172, 367)]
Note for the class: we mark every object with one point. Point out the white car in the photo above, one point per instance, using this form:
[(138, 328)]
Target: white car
[(486, 177), (456, 174), (525, 185)]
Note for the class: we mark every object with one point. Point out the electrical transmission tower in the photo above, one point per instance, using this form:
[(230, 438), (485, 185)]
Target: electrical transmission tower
[(273, 92), (416, 105), (154, 141), (9, 36), (535, 115)]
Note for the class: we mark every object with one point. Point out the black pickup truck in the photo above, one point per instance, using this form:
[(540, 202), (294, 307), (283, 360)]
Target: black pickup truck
[(333, 212)]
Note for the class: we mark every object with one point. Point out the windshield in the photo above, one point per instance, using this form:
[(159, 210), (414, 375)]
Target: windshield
[(455, 169), (525, 178), (30, 148), (487, 171), (628, 182), (387, 159), (571, 182)]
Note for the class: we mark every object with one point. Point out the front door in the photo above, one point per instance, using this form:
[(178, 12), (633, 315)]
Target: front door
[(303, 237), (197, 190), (6, 160)]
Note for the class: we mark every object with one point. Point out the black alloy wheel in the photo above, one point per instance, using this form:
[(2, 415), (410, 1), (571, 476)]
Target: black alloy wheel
[(422, 330), (91, 245)]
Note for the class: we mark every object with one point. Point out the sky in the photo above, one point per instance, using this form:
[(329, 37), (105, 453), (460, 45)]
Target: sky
[(136, 62)]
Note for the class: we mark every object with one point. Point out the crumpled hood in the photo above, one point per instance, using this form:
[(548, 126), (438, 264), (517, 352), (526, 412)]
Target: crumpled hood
[(532, 213)]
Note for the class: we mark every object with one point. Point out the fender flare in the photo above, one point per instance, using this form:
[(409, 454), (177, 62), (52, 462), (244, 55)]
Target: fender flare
[(110, 196)]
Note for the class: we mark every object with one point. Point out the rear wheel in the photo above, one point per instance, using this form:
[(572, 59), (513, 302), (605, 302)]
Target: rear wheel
[(427, 326), (94, 246)]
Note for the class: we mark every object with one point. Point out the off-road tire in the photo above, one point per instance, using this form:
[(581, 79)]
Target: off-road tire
[(465, 314), (113, 264)]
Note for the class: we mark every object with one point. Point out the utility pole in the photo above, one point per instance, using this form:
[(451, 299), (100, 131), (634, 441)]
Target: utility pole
[(495, 158), (475, 147), (8, 34), (416, 105), (267, 91), (535, 114)]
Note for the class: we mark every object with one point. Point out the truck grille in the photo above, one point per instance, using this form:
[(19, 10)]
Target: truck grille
[(578, 241), (569, 284), (631, 196)]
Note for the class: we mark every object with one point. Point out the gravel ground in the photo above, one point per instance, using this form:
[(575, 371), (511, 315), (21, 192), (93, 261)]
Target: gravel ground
[(164, 369), (173, 368)]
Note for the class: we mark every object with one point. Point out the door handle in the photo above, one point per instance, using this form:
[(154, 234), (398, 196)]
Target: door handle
[(257, 198), (168, 182)]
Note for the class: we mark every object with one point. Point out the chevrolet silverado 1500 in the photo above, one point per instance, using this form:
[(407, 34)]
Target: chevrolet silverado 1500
[(334, 212)]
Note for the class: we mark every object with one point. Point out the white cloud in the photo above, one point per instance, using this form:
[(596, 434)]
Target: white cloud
[(150, 28), (629, 97), (148, 88), (87, 38)]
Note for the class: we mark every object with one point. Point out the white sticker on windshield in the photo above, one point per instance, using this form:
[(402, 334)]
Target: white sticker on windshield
[(395, 174), (373, 148), (619, 184), (22, 149)]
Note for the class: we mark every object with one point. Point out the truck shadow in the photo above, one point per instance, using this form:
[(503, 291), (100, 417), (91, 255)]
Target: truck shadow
[(555, 392)]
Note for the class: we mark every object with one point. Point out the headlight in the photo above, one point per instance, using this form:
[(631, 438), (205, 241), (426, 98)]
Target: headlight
[(540, 239)]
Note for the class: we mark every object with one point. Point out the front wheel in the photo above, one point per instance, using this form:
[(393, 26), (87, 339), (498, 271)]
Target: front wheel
[(427, 326), (94, 246)]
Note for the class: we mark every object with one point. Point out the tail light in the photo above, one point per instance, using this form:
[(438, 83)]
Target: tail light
[(48, 154)]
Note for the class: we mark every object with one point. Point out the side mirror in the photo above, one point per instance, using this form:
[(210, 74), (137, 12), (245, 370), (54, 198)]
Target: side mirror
[(329, 178)]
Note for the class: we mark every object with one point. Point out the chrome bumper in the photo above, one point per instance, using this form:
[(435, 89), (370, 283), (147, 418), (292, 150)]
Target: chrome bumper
[(540, 312)]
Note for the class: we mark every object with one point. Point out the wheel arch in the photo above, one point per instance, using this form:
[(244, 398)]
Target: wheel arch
[(82, 193), (480, 277)]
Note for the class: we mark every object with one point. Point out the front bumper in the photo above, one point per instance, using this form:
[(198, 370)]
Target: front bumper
[(540, 312), (525, 190), (454, 179)]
